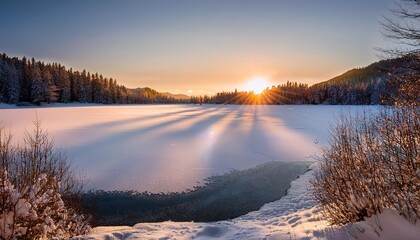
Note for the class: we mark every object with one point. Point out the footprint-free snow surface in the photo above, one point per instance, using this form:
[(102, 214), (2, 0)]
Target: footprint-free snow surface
[(172, 147)]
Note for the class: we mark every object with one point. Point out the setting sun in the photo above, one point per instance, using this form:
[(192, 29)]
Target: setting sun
[(257, 85)]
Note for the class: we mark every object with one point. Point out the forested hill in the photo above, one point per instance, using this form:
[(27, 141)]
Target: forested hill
[(378, 83), (23, 80)]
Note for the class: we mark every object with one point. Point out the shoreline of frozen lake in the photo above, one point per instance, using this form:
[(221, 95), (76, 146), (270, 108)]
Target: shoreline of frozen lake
[(222, 197), (167, 148)]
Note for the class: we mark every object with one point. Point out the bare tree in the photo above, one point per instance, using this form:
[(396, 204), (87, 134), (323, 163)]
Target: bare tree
[(37, 155), (403, 28), (372, 163)]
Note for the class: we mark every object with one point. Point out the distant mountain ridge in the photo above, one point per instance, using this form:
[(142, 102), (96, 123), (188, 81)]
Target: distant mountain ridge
[(176, 96), (165, 94)]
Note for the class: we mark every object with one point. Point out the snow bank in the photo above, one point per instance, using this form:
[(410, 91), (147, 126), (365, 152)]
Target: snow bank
[(50, 105), (7, 106), (388, 225)]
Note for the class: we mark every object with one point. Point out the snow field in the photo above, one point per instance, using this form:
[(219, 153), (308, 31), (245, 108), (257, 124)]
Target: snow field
[(172, 147)]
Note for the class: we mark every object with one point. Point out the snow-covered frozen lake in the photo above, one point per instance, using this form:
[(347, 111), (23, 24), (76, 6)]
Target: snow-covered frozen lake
[(172, 147)]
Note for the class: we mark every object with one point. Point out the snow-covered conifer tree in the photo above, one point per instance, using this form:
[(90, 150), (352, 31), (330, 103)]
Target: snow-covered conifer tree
[(38, 86), (63, 84), (35, 187), (9, 83)]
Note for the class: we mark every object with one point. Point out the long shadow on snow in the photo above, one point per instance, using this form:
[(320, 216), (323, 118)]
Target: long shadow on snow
[(140, 118), (132, 133)]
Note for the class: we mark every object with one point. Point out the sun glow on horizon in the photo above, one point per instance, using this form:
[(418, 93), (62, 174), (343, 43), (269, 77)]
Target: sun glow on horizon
[(256, 85)]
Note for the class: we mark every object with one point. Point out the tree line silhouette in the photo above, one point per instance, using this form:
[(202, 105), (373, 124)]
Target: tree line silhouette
[(30, 81), (23, 80)]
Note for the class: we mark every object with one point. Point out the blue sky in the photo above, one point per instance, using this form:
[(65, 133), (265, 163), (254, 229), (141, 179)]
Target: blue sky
[(197, 46)]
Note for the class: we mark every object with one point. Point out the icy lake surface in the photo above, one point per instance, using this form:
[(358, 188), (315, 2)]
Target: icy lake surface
[(172, 147)]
